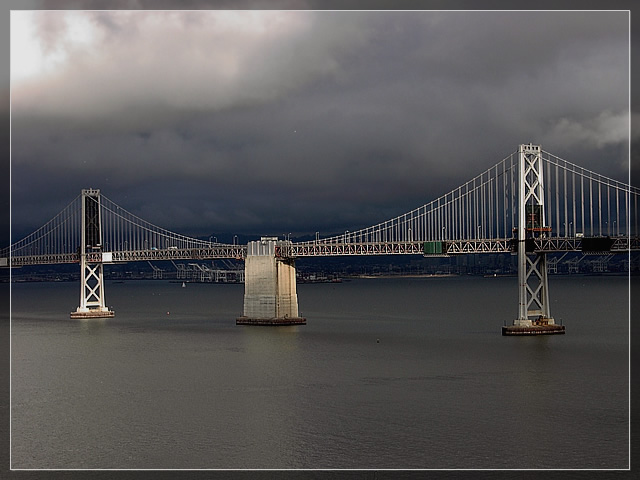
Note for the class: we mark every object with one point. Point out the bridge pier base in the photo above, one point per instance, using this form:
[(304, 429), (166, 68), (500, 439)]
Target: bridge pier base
[(533, 330), (92, 302), (270, 296), (92, 313)]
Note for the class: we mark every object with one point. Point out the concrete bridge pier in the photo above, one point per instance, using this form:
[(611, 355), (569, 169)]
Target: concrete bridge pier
[(270, 296)]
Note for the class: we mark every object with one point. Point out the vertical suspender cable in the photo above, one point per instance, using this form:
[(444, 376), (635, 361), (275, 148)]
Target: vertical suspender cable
[(447, 224), (497, 205), (423, 220), (610, 227), (573, 202), (617, 212), (450, 215), (566, 217), (490, 207), (467, 213), (477, 215), (108, 228), (458, 213), (66, 233), (513, 188), (627, 209), (599, 209), (425, 223), (439, 230), (591, 206), (634, 227), (434, 220), (52, 235), (486, 202), (504, 199), (483, 206), (582, 202), (446, 217), (547, 195), (453, 215), (514, 197), (483, 202), (65, 230), (557, 203), (404, 233)]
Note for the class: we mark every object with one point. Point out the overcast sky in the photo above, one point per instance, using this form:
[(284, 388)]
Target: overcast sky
[(273, 122)]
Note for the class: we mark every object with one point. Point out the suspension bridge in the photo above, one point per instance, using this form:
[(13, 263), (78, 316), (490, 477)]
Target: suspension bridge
[(530, 204)]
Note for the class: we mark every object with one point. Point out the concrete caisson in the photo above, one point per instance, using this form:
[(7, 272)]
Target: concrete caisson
[(270, 296)]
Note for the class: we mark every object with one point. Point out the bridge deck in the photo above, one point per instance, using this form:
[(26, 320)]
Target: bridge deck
[(453, 247), (320, 249)]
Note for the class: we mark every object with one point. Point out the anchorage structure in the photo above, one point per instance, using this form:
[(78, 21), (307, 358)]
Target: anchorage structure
[(534, 316), (92, 301)]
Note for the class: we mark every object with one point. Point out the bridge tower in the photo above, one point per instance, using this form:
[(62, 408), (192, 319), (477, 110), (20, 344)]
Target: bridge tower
[(270, 296), (92, 301), (534, 316)]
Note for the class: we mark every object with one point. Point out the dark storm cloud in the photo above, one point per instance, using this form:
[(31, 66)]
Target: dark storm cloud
[(305, 121)]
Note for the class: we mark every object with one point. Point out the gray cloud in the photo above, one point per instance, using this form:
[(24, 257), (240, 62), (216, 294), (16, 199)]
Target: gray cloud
[(312, 120)]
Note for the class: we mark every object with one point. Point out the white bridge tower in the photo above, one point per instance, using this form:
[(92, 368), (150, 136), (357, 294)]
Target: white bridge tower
[(534, 316), (92, 301)]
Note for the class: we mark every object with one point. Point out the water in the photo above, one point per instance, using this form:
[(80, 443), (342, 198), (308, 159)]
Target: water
[(388, 373)]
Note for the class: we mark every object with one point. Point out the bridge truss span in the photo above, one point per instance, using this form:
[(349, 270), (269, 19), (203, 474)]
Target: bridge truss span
[(356, 248), (221, 251), (456, 247)]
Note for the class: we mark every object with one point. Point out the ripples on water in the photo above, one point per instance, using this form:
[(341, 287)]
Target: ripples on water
[(387, 373)]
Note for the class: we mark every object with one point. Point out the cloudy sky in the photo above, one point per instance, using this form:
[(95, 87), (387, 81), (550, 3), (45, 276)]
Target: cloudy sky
[(270, 122)]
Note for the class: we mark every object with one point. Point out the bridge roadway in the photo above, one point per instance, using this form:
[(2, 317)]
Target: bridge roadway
[(618, 244)]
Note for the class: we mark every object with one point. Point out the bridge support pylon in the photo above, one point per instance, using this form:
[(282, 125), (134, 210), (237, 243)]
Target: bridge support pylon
[(270, 296), (534, 316), (92, 300)]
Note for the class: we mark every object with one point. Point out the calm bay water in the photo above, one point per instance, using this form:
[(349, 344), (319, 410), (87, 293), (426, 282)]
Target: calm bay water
[(387, 373)]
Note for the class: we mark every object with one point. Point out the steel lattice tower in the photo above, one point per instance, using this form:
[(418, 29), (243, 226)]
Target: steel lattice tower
[(92, 301), (533, 285)]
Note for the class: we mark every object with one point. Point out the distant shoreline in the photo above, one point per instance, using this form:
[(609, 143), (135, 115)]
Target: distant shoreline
[(411, 275)]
